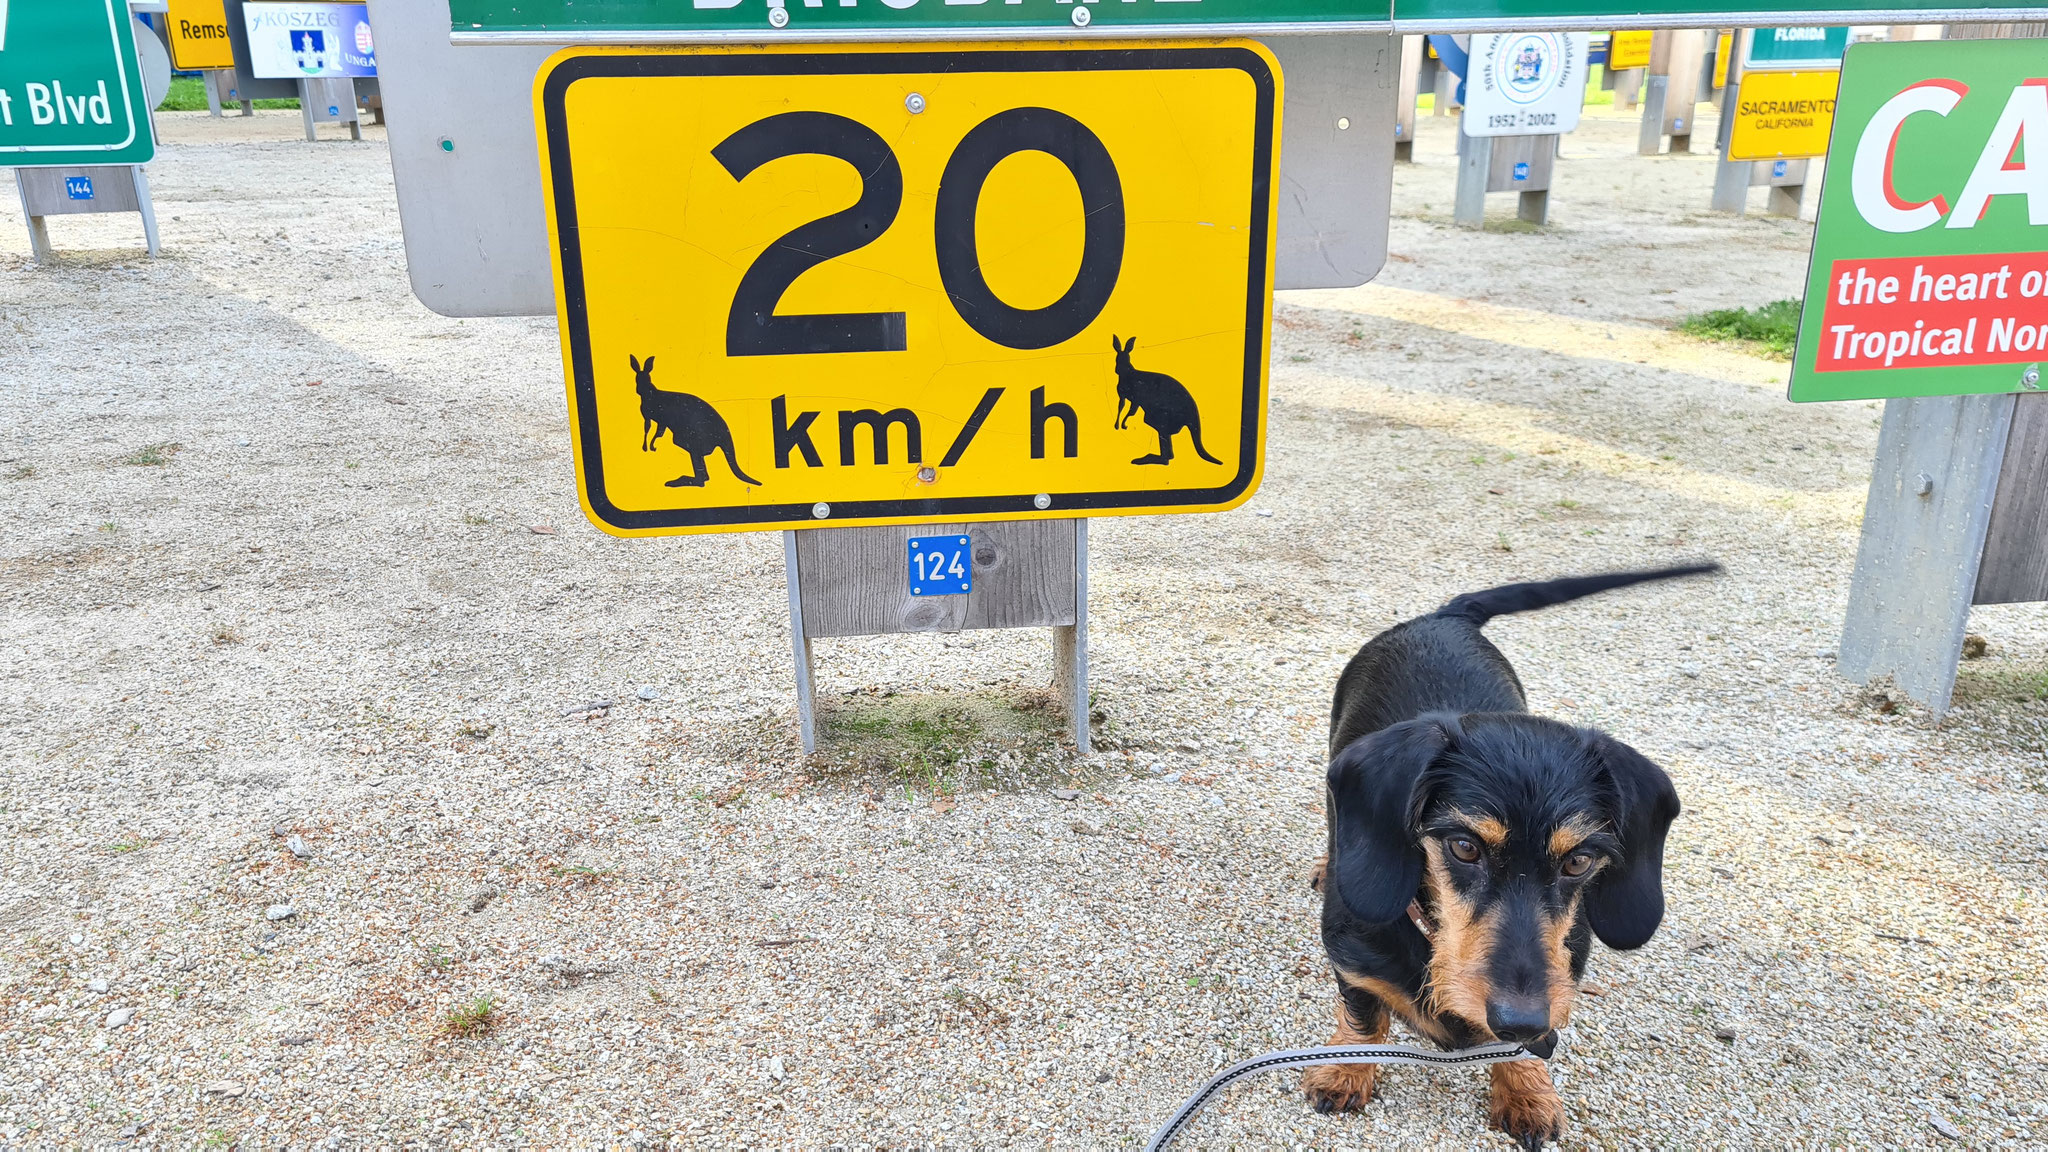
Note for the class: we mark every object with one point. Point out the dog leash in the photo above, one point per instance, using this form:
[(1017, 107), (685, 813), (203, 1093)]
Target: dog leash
[(1485, 1054)]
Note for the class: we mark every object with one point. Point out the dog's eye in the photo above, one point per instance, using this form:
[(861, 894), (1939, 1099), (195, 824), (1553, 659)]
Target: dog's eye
[(1577, 863), (1464, 849)]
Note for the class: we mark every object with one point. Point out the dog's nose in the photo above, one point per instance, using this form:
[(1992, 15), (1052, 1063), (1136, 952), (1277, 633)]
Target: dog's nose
[(1518, 1019)]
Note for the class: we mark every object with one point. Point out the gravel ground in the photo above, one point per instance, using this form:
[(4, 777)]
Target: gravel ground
[(298, 620)]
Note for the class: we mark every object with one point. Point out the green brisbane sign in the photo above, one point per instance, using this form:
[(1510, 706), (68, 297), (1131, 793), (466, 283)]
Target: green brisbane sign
[(629, 21), (70, 92), (1930, 258)]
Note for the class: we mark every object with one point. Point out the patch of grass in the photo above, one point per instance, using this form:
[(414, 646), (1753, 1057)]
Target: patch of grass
[(474, 520), (22, 472), (2002, 682), (1769, 329), (154, 456), (1567, 505), (188, 94), (131, 844), (579, 872), (476, 729), (437, 959), (225, 634), (1297, 359), (110, 526), (473, 1019), (1502, 543)]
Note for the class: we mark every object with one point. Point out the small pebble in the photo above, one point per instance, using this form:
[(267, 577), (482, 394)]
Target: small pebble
[(119, 1017), (1725, 1033), (647, 692), (297, 846), (776, 1070), (280, 912), (97, 984), (1945, 1128), (1067, 794)]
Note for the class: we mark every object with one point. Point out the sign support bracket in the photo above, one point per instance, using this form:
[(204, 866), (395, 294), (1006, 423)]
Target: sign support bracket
[(70, 191), (850, 582)]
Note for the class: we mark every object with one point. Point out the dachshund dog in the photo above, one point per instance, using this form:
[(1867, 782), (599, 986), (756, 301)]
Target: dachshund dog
[(1475, 850)]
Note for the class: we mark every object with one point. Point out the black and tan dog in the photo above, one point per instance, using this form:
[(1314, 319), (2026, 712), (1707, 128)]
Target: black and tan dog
[(1475, 850)]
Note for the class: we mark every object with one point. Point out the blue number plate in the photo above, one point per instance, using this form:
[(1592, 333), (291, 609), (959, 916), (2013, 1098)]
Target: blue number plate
[(78, 187), (941, 566)]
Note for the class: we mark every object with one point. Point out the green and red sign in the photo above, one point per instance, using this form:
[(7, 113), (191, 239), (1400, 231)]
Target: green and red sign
[(70, 92), (1930, 257)]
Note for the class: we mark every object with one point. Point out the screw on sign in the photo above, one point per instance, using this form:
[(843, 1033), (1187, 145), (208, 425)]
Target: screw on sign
[(1930, 260)]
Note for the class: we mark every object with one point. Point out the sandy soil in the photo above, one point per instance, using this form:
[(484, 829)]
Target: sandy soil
[(269, 570)]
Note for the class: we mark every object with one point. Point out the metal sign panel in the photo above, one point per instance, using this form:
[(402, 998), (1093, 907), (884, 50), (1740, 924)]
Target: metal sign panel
[(70, 88), (468, 177), (296, 41), (198, 34), (755, 21), (1806, 47), (1600, 15), (626, 21), (1525, 83), (992, 282), (1783, 115), (1930, 257)]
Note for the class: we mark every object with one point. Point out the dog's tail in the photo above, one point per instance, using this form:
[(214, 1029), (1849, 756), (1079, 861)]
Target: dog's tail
[(1479, 607)]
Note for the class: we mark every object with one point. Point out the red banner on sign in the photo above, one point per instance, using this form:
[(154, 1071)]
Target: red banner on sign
[(1914, 312)]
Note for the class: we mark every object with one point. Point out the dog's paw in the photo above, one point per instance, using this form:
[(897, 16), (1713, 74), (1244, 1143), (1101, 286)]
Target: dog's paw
[(1317, 873), (1340, 1087), (1524, 1105)]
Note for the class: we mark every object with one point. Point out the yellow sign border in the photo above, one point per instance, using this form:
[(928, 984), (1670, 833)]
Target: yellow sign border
[(564, 68)]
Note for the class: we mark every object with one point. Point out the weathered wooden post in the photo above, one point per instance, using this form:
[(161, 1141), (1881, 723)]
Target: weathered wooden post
[(1414, 56)]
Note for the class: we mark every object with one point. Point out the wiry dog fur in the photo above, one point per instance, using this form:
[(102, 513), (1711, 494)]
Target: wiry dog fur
[(1476, 850)]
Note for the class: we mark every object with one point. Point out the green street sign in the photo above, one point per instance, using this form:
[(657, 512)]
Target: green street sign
[(70, 90), (646, 21), (1930, 258), (1801, 47)]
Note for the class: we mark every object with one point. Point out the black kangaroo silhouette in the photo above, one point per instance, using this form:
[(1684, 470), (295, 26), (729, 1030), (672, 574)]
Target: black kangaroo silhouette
[(1160, 400), (691, 424)]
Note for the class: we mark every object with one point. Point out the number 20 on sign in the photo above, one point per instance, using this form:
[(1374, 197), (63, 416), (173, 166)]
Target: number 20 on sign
[(837, 286)]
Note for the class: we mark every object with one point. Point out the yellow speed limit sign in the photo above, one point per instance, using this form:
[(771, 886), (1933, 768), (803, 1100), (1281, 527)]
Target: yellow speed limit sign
[(1783, 115), (843, 285)]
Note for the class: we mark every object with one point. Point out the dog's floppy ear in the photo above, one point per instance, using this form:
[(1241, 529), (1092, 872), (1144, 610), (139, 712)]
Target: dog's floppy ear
[(1626, 901), (1374, 799)]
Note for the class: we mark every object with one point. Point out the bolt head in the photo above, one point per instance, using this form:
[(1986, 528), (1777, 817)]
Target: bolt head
[(820, 510), (778, 17), (1081, 17), (1041, 501), (914, 102), (927, 474), (2031, 378)]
